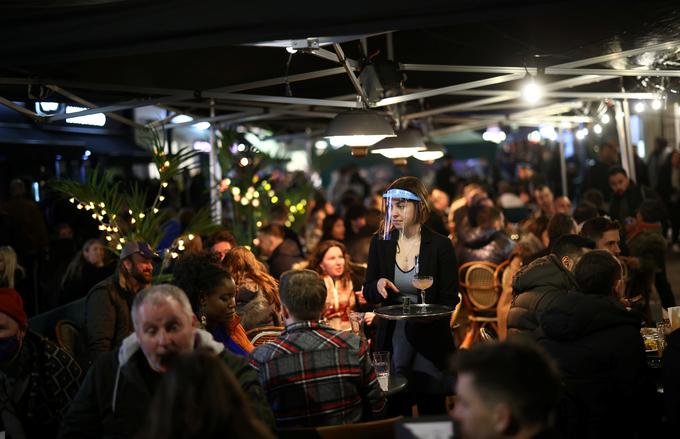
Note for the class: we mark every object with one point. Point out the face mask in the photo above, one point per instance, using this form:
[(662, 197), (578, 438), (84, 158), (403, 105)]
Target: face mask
[(9, 346)]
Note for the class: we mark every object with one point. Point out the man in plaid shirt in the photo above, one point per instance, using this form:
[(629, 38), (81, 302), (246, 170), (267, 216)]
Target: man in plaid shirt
[(312, 374)]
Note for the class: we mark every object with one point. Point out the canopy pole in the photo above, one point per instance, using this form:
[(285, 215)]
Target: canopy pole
[(563, 165), (630, 153), (215, 172)]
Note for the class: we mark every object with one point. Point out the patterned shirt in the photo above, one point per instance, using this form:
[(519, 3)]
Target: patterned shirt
[(314, 375)]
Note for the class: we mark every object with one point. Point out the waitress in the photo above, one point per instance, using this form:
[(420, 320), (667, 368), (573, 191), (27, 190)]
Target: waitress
[(402, 248)]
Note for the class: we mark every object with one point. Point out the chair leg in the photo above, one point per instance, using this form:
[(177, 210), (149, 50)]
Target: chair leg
[(470, 336)]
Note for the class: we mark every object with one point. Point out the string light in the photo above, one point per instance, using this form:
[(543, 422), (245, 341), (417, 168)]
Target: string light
[(119, 247), (161, 198), (133, 221), (164, 184), (191, 237), (141, 215), (256, 203), (275, 199), (72, 200), (174, 255), (258, 224), (108, 237)]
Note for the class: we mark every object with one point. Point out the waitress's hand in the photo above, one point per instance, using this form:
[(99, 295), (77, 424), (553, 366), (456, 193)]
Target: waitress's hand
[(382, 286)]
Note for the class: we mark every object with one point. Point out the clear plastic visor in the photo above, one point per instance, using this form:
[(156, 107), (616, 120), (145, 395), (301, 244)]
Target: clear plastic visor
[(400, 209)]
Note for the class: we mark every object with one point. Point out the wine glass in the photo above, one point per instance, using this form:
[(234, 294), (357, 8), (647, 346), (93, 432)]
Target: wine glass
[(422, 283)]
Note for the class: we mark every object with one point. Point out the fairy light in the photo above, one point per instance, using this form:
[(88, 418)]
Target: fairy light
[(287, 202), (133, 221), (256, 203), (119, 247), (288, 224), (130, 211), (271, 193), (102, 205), (94, 216), (275, 199), (291, 218), (293, 209), (166, 164), (161, 198), (256, 178), (244, 201), (108, 237), (155, 210), (122, 240), (79, 207), (164, 184), (72, 200), (258, 224), (141, 215), (237, 198), (101, 227), (235, 191), (256, 194), (103, 212), (174, 255), (191, 237), (115, 229)]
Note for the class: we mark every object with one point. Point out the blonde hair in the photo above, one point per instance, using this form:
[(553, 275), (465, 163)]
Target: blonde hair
[(9, 256)]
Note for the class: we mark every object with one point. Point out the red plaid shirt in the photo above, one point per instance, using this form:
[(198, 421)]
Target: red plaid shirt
[(315, 375)]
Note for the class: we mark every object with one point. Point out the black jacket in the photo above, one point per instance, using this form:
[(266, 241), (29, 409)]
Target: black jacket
[(437, 259), (534, 288), (626, 205), (283, 257), (484, 244), (671, 380), (114, 399), (599, 351)]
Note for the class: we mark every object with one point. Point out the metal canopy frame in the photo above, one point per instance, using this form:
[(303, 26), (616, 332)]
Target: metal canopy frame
[(242, 106)]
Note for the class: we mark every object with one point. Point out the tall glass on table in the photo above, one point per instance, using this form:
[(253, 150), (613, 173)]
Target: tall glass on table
[(381, 364)]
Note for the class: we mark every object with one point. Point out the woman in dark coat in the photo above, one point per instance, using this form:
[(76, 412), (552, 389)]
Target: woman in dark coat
[(420, 350)]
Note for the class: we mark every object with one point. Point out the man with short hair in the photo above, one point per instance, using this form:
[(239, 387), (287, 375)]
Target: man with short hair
[(313, 374), (604, 232), (626, 196), (107, 312), (597, 346), (221, 242), (114, 398), (38, 379), (562, 205), (505, 390), (596, 175), (536, 285), (280, 253), (544, 198)]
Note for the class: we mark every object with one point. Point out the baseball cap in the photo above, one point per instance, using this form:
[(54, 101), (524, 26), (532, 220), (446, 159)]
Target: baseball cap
[(140, 247)]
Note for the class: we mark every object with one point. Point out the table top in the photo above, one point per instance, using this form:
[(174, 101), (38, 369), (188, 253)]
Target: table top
[(414, 312)]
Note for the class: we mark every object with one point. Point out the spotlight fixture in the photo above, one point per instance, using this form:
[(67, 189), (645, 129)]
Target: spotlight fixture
[(358, 129), (406, 143), (433, 152)]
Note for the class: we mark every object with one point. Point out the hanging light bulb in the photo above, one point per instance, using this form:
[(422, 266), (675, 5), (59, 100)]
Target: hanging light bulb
[(605, 118), (597, 128), (657, 104), (532, 90), (639, 107)]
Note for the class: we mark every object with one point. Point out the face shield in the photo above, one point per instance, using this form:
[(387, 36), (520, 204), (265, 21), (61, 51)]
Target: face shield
[(401, 209)]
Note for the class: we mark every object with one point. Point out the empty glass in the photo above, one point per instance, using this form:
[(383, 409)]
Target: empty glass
[(381, 364)]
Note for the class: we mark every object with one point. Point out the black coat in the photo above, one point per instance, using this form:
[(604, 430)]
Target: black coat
[(284, 257), (599, 351), (437, 259), (633, 198), (671, 379), (534, 288), (484, 244)]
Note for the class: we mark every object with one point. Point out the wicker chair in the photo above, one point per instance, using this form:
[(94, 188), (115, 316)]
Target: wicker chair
[(263, 334), (480, 295)]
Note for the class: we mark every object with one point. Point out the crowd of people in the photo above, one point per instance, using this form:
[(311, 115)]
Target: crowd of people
[(178, 358)]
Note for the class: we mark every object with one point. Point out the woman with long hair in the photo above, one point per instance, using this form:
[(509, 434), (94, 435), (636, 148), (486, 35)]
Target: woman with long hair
[(84, 271), (9, 267), (257, 292), (331, 261), (402, 249), (199, 398), (212, 294)]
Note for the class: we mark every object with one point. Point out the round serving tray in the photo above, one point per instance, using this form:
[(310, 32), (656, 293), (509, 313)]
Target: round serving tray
[(415, 312)]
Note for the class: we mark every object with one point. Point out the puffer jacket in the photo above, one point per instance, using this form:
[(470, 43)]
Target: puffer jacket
[(534, 288), (599, 351), (484, 244), (114, 399)]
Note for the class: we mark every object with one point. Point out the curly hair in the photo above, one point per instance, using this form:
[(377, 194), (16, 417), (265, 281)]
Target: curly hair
[(197, 274), (244, 266), (316, 258)]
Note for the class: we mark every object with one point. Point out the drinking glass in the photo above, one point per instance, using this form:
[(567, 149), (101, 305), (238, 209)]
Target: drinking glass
[(422, 283), (381, 364), (356, 319)]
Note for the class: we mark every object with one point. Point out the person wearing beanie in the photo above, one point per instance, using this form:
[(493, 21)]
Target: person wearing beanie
[(107, 305), (38, 379)]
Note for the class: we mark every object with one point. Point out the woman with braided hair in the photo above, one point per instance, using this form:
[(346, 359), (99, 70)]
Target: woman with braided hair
[(212, 294)]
